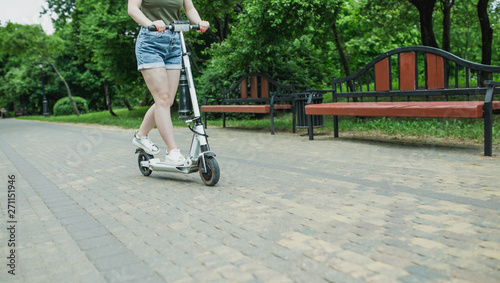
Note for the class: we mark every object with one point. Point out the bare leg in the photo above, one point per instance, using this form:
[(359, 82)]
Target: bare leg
[(163, 86), (148, 122)]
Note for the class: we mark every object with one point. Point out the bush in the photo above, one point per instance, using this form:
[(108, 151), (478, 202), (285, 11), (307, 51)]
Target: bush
[(64, 107)]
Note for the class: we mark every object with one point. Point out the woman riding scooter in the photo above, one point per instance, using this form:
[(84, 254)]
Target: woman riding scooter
[(159, 60)]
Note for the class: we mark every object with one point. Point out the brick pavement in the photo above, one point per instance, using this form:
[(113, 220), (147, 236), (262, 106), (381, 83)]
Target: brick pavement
[(285, 210)]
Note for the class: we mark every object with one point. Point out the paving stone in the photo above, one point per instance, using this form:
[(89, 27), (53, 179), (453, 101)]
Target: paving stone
[(424, 272), (335, 276)]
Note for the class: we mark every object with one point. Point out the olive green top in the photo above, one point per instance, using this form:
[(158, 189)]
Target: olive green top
[(166, 10)]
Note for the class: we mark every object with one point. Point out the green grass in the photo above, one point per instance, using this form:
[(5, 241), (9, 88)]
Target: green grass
[(132, 120), (125, 118), (460, 130)]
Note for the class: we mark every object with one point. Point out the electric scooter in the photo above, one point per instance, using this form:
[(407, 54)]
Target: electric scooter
[(200, 159)]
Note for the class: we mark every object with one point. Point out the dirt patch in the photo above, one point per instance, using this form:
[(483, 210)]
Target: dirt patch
[(379, 136), (412, 139)]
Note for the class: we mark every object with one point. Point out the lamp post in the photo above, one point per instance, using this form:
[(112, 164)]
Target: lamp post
[(45, 110)]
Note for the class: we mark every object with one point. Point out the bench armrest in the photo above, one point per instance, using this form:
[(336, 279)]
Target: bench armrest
[(493, 83), (315, 93), (490, 90), (281, 97)]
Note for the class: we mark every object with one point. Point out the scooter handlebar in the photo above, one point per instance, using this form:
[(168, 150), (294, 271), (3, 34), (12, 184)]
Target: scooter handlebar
[(177, 27)]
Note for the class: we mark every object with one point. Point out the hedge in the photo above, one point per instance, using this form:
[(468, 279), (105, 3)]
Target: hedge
[(64, 107)]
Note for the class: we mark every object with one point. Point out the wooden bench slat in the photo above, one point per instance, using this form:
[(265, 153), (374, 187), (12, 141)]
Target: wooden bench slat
[(382, 75), (407, 71), (253, 87), (435, 71), (259, 109), (437, 109), (244, 89), (264, 87)]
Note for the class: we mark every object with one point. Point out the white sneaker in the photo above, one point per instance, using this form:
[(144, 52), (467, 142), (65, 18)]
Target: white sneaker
[(175, 158), (146, 144)]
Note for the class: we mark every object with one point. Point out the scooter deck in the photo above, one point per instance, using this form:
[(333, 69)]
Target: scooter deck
[(156, 165)]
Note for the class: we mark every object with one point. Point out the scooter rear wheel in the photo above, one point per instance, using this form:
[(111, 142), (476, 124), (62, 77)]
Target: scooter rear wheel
[(211, 177), (144, 157)]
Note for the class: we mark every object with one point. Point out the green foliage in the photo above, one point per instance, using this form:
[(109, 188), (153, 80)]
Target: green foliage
[(23, 47), (18, 40), (110, 33), (291, 40), (64, 107), (272, 37)]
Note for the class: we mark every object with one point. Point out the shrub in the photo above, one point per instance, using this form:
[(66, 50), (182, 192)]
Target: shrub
[(64, 107)]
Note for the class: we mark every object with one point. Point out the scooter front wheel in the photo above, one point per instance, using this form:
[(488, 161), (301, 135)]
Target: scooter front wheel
[(211, 177)]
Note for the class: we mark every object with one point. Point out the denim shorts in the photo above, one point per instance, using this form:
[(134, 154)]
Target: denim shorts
[(158, 50)]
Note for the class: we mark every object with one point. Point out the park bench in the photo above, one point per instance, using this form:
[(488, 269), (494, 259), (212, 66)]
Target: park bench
[(416, 81), (253, 93)]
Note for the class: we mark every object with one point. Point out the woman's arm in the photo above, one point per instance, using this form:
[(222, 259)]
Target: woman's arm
[(134, 10), (193, 15)]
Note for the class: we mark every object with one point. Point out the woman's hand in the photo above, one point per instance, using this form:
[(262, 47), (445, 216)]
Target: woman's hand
[(204, 25), (160, 25)]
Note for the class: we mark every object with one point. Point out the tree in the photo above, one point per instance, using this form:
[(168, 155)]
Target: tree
[(486, 31), (328, 16), (20, 84), (486, 36), (465, 32), (338, 43), (30, 41), (274, 37), (110, 33), (425, 9), (221, 15), (360, 30), (64, 10), (446, 6), (104, 35), (80, 54)]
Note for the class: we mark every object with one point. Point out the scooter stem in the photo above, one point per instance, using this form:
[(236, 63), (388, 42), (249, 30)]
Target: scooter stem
[(192, 90), (187, 66)]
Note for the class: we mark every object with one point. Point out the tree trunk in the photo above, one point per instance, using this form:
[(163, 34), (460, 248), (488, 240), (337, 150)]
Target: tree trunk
[(127, 103), (124, 99), (225, 33), (108, 100), (425, 9), (486, 31), (340, 50), (447, 5), (222, 24), (338, 43), (486, 36), (73, 103)]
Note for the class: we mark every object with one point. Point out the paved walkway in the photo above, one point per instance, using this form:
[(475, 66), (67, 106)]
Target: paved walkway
[(286, 209)]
